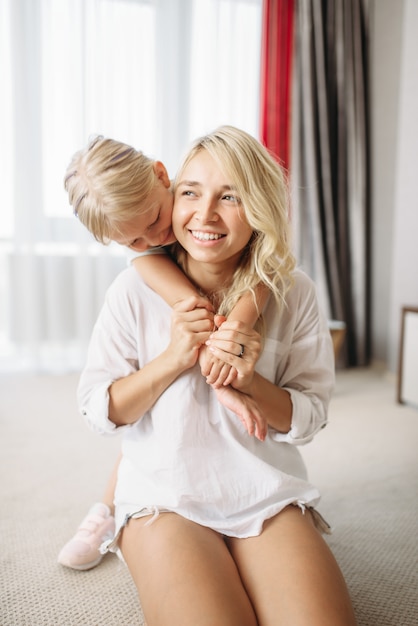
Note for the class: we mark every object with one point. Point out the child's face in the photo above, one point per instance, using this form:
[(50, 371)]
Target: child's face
[(208, 218), (152, 226)]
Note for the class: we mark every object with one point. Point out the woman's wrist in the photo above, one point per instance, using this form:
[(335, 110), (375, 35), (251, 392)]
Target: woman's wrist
[(247, 385)]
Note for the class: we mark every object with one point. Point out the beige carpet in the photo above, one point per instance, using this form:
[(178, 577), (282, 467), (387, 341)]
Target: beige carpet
[(53, 468)]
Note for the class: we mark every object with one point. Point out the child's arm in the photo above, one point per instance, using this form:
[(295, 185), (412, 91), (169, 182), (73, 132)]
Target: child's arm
[(162, 274), (246, 310), (168, 280)]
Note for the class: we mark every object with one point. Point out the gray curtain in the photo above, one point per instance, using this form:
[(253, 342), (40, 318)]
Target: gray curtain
[(330, 162)]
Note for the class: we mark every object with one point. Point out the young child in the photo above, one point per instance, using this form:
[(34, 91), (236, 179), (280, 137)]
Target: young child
[(121, 195)]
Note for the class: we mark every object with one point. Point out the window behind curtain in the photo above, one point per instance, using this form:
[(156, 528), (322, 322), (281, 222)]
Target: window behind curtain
[(152, 73), (6, 123), (98, 76)]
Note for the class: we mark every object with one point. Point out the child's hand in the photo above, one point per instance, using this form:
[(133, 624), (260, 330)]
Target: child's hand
[(216, 372), (196, 302), (245, 408)]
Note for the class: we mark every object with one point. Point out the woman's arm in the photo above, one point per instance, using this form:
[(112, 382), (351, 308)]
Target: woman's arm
[(273, 403), (294, 396), (132, 396), (124, 374)]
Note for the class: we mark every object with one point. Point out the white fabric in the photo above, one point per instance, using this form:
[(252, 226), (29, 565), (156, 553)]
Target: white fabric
[(134, 254), (190, 454)]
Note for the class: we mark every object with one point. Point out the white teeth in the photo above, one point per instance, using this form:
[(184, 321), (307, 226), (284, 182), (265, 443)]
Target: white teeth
[(205, 236)]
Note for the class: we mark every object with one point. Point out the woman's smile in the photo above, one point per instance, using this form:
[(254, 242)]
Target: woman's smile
[(208, 217), (206, 236)]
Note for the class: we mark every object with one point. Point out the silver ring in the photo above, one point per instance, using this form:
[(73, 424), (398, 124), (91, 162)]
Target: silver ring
[(241, 354)]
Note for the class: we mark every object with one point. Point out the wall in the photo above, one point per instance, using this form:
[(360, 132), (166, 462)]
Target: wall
[(394, 116)]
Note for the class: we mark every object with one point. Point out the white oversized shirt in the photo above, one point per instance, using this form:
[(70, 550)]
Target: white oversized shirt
[(188, 453)]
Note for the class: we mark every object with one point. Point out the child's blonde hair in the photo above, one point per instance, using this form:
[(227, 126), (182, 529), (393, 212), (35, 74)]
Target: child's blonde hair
[(262, 188), (106, 182)]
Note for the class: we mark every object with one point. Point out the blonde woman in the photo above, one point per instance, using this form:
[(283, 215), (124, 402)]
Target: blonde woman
[(218, 527)]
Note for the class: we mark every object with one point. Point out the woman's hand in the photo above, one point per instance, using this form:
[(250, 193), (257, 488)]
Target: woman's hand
[(131, 396), (239, 346), (245, 408), (191, 325)]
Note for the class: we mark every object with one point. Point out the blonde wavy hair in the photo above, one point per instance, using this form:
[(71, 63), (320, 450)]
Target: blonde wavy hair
[(107, 181), (262, 188)]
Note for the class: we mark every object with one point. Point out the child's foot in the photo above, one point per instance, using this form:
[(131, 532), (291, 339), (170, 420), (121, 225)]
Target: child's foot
[(82, 551)]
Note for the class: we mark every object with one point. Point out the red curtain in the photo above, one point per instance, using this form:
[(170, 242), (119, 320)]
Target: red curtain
[(276, 74)]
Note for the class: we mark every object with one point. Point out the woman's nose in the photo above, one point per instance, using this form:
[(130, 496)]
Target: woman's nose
[(208, 210)]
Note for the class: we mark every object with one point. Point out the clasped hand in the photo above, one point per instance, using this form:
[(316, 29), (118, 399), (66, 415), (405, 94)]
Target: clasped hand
[(227, 356), (236, 348)]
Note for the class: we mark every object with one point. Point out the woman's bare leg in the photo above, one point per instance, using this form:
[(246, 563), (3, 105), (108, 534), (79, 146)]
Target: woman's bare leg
[(291, 575), (184, 574)]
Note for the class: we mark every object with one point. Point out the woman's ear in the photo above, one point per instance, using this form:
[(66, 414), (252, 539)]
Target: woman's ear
[(162, 174)]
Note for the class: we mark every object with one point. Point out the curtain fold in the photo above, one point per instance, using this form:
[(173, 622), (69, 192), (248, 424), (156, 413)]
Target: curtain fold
[(330, 167), (276, 77)]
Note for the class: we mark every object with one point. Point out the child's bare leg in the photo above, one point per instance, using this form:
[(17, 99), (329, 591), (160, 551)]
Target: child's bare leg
[(82, 550), (291, 575), (109, 492)]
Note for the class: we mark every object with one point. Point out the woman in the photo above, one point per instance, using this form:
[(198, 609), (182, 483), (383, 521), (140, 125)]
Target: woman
[(216, 526)]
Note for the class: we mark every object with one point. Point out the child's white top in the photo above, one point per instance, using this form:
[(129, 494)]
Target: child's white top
[(131, 255), (189, 453)]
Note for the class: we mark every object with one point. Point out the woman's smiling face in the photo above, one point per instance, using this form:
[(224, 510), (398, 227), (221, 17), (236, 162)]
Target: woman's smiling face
[(208, 219)]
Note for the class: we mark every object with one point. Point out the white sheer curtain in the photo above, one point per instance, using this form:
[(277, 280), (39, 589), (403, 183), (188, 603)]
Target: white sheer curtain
[(153, 73)]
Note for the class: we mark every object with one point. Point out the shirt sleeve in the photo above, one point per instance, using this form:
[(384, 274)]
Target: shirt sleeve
[(309, 374), (112, 354)]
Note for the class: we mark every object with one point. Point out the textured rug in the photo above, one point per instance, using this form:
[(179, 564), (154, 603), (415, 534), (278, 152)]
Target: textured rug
[(52, 468)]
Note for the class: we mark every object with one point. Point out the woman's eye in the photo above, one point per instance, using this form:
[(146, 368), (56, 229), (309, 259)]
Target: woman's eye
[(230, 198), (188, 192)]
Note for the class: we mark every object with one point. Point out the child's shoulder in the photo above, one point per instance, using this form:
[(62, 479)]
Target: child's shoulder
[(131, 255)]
